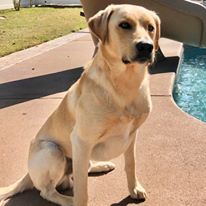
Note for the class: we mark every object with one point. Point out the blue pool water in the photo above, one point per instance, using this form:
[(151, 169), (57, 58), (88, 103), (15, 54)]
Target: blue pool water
[(190, 85)]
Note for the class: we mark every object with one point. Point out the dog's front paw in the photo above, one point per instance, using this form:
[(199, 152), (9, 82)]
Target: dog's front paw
[(138, 193)]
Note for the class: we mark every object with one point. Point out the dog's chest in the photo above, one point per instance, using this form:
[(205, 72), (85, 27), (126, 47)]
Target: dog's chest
[(116, 135), (115, 140)]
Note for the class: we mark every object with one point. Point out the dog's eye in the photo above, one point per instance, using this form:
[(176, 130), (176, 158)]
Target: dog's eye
[(150, 28), (125, 25)]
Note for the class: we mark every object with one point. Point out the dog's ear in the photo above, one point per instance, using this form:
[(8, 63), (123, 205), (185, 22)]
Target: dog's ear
[(158, 30), (98, 24)]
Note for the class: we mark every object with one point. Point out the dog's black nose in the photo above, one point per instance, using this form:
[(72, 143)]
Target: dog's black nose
[(144, 47)]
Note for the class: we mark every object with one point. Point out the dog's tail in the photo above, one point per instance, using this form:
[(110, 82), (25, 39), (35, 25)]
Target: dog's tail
[(21, 185)]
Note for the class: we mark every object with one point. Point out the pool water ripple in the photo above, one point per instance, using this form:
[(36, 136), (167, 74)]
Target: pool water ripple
[(190, 85)]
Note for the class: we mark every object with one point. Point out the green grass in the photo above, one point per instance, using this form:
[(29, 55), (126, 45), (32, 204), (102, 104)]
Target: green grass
[(32, 26)]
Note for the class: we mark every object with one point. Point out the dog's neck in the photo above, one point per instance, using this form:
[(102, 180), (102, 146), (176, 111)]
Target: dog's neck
[(122, 76)]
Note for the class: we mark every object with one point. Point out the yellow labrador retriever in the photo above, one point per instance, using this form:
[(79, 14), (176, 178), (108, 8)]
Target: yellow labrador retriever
[(98, 118)]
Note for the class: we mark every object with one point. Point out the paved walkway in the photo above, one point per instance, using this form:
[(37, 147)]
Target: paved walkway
[(170, 146)]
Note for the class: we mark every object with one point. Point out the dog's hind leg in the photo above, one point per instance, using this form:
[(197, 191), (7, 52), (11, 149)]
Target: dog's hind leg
[(47, 166), (54, 196), (100, 166), (21, 185)]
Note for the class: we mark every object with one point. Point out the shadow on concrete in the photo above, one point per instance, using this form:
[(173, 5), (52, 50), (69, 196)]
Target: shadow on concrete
[(98, 174), (30, 198), (126, 201), (33, 198), (15, 92), (166, 65)]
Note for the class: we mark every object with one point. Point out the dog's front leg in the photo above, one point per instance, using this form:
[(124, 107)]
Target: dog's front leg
[(81, 151), (135, 188)]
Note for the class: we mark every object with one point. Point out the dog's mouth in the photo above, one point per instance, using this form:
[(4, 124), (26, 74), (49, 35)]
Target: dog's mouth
[(125, 60), (141, 59)]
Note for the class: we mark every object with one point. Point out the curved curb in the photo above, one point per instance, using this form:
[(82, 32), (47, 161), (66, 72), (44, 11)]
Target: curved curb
[(23, 55)]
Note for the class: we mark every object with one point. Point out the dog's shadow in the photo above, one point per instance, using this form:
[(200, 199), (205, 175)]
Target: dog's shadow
[(28, 198), (31, 198), (127, 201)]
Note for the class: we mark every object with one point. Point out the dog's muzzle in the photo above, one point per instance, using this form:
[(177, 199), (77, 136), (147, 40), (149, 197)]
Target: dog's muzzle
[(143, 53)]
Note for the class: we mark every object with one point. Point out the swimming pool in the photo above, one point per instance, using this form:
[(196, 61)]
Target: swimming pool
[(190, 84)]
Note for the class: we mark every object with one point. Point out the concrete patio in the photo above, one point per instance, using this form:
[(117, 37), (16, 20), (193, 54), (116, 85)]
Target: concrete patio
[(171, 145)]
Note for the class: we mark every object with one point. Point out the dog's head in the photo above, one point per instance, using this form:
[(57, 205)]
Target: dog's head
[(129, 33)]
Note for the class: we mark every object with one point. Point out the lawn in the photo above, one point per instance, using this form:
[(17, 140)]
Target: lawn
[(32, 26)]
